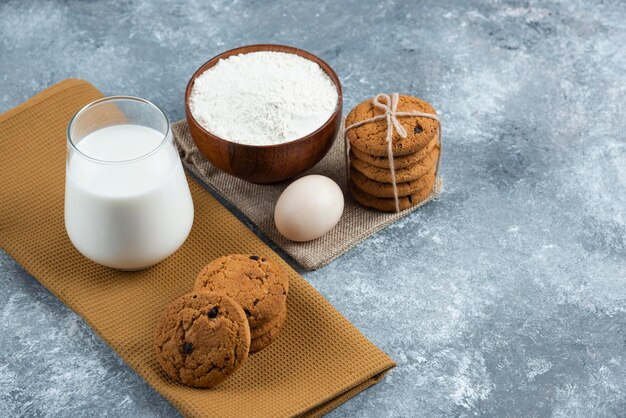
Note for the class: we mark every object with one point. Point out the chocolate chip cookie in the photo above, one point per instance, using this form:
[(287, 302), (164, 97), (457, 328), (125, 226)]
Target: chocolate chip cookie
[(259, 285), (370, 138), (409, 173), (264, 340), (202, 338), (388, 204), (399, 162), (379, 189)]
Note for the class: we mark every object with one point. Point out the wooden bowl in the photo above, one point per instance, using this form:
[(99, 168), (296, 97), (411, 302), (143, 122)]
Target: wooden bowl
[(266, 164)]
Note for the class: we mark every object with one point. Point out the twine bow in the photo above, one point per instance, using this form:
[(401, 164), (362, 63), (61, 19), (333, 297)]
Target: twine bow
[(389, 106)]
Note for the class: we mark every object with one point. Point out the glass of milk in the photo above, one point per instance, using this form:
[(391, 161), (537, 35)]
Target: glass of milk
[(127, 202)]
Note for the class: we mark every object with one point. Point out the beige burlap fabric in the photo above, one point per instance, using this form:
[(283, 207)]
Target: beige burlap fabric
[(257, 202), (317, 362)]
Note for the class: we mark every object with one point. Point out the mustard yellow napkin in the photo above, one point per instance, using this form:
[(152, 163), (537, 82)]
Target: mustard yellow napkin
[(319, 361)]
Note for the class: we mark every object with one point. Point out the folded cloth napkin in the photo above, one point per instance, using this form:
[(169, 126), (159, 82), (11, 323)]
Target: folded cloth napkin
[(319, 360)]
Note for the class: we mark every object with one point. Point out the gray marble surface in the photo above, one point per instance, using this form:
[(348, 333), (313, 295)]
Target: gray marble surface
[(506, 297)]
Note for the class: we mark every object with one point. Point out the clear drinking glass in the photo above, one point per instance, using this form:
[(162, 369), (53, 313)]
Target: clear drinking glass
[(127, 202)]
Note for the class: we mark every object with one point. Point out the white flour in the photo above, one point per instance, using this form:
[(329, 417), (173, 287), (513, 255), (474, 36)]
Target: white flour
[(263, 98)]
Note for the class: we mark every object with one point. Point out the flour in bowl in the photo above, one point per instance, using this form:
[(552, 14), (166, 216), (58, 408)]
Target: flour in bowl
[(263, 98)]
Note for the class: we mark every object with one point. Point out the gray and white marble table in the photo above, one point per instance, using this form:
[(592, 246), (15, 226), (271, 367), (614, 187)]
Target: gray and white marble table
[(506, 297)]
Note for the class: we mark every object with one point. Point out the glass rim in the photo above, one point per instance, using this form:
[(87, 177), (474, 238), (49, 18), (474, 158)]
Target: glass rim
[(113, 99)]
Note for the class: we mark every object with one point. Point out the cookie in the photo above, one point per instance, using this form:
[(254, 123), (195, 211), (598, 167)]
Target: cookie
[(409, 173), (399, 162), (379, 189), (262, 341), (267, 326), (389, 205), (256, 283), (370, 138), (202, 338)]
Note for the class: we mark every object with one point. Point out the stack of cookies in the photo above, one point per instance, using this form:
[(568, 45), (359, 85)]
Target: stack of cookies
[(238, 306), (415, 158), (255, 283)]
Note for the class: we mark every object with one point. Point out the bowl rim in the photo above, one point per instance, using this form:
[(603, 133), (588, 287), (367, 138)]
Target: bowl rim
[(274, 48)]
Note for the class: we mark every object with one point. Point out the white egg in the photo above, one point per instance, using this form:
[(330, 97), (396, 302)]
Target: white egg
[(307, 209)]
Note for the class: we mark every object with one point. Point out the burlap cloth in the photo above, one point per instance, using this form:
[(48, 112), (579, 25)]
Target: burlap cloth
[(319, 361), (257, 202)]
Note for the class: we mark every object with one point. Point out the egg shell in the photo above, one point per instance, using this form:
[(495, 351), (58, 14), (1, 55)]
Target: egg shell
[(308, 208)]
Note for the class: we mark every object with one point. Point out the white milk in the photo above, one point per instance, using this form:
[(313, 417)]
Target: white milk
[(127, 215)]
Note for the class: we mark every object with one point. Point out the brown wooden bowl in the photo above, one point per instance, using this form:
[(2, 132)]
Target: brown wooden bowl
[(266, 164)]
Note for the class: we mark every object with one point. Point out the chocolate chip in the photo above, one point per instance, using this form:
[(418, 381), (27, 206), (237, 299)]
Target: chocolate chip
[(254, 257), (188, 348), (264, 259), (247, 313), (212, 314), (417, 129)]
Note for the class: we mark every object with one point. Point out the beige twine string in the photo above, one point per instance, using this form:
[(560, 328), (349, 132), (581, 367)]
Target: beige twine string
[(389, 106)]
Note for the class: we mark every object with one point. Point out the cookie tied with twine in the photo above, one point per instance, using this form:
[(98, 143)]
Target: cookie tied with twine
[(392, 127)]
